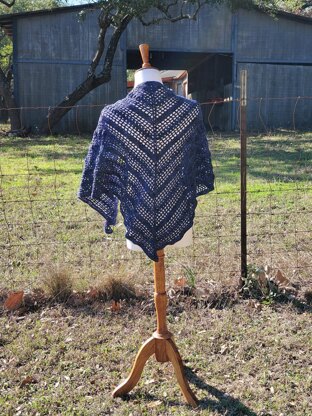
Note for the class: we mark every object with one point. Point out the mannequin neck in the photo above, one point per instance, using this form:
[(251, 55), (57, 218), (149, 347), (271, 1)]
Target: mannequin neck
[(146, 74)]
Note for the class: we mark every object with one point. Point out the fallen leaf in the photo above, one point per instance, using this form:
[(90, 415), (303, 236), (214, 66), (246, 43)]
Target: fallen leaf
[(152, 380), (262, 277), (252, 304), (93, 293), (201, 292), (267, 269), (281, 279), (171, 293), (154, 404), (97, 306), (14, 300), (223, 349), (28, 380), (180, 282), (116, 306), (140, 293)]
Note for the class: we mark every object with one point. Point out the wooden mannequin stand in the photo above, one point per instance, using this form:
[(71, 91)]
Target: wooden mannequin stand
[(160, 343)]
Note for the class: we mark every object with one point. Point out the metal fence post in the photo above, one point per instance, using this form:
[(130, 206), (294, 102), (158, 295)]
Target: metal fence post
[(243, 169)]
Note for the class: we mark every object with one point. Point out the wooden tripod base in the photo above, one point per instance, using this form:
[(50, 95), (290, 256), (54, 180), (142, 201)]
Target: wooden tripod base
[(161, 343), (165, 350)]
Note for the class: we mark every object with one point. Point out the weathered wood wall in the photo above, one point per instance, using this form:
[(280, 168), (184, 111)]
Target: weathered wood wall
[(271, 96), (211, 32), (53, 51), (277, 54), (52, 57), (264, 39)]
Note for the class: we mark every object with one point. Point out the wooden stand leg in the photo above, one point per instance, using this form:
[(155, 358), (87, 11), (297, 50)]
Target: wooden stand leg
[(161, 343), (147, 349), (177, 363)]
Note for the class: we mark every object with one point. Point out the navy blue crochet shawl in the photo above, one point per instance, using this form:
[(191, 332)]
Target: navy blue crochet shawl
[(150, 152)]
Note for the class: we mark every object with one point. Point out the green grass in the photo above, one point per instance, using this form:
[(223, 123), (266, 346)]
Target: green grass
[(42, 220), (239, 361)]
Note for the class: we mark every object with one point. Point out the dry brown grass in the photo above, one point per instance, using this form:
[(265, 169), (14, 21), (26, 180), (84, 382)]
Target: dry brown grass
[(57, 281), (116, 288)]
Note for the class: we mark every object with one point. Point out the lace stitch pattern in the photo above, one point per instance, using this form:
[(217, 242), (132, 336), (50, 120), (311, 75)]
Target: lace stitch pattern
[(150, 152)]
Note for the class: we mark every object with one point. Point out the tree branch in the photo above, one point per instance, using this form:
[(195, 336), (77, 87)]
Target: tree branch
[(104, 20), (6, 93), (7, 3), (90, 82), (107, 67), (164, 8)]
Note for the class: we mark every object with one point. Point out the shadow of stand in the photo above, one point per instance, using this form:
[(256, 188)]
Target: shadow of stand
[(224, 401)]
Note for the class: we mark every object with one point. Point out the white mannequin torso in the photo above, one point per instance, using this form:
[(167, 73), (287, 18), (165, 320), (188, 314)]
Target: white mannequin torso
[(153, 74)]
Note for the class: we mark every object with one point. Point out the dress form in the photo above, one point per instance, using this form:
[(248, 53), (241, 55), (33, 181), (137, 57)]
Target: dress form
[(153, 74)]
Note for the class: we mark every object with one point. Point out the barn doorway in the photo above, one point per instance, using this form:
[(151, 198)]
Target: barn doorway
[(201, 76)]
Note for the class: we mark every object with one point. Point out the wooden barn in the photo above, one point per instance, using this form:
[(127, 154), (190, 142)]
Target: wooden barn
[(52, 51)]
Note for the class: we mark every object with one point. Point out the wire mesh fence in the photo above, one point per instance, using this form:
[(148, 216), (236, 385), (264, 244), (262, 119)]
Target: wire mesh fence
[(43, 221)]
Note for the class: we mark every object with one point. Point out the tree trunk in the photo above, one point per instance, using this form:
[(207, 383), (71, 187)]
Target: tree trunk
[(92, 81), (13, 111), (3, 111), (58, 112)]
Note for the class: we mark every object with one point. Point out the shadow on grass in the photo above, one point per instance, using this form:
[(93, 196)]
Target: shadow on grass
[(73, 147), (223, 402), (268, 159), (132, 307)]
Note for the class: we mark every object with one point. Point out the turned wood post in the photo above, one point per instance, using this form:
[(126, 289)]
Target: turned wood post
[(144, 49), (160, 297)]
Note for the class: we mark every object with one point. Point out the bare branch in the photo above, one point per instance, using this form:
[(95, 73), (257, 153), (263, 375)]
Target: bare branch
[(104, 20), (167, 15), (107, 67), (7, 3), (164, 7), (117, 15)]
